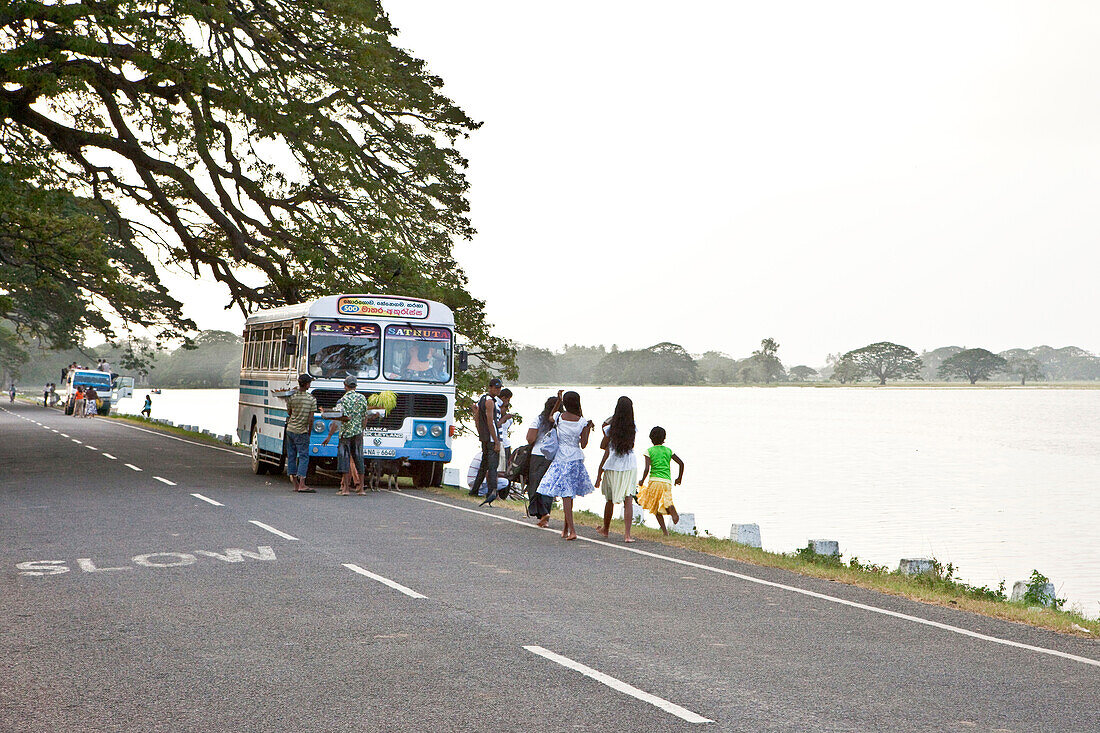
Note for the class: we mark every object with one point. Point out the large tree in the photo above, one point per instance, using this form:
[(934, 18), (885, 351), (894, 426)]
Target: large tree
[(885, 360), (972, 364), (286, 148), (764, 363), (1025, 367)]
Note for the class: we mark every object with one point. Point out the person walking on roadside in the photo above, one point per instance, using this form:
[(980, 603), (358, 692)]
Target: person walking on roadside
[(567, 477), (487, 417), (300, 409), (147, 408), (618, 469), (349, 449), (91, 406), (46, 395), (543, 439), (656, 497), (504, 424)]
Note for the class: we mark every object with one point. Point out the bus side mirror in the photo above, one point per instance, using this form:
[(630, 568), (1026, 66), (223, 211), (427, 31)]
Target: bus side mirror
[(463, 360), (292, 344)]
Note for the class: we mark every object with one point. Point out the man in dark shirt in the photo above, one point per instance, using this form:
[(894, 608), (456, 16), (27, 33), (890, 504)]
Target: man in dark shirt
[(487, 417)]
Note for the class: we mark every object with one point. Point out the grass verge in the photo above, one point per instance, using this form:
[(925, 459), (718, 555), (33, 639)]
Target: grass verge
[(938, 590), (190, 435)]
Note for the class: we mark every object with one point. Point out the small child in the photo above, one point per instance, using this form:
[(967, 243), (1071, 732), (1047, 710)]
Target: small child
[(656, 496)]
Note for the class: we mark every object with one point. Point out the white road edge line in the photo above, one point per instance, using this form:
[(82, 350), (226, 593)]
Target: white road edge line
[(173, 437), (781, 586), (620, 686), (272, 530), (207, 499), (132, 466), (165, 481), (108, 455), (385, 581)]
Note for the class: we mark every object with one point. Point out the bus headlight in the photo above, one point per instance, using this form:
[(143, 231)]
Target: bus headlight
[(437, 430), (319, 426), (421, 430)]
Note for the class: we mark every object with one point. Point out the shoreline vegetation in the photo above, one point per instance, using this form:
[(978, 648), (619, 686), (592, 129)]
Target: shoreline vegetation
[(941, 589)]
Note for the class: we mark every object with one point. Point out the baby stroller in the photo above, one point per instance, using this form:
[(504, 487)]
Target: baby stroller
[(517, 473)]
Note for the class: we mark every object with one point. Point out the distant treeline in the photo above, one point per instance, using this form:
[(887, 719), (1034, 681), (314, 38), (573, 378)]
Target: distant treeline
[(668, 363), (215, 362)]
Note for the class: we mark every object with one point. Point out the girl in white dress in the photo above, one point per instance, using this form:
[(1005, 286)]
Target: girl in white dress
[(619, 468), (567, 476)]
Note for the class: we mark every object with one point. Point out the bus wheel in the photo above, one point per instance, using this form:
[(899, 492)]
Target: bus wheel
[(437, 473), (259, 466)]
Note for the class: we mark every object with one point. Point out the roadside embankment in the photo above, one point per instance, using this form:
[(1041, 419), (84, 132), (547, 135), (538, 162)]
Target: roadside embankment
[(941, 588)]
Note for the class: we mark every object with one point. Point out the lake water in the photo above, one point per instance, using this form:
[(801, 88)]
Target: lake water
[(998, 482)]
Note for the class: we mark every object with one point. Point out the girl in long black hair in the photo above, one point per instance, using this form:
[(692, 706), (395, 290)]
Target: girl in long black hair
[(618, 470), (567, 476)]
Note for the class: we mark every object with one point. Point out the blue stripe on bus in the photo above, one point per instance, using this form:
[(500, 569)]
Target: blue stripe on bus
[(254, 382)]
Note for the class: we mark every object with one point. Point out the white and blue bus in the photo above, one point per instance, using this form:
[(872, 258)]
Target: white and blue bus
[(396, 344)]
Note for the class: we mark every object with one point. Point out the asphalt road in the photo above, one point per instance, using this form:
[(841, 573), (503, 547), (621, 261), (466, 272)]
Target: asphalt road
[(125, 607)]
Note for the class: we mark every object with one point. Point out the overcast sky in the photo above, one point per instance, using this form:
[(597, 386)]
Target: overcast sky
[(826, 174)]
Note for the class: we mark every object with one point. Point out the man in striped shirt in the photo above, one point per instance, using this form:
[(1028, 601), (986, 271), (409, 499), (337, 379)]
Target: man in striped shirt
[(300, 408)]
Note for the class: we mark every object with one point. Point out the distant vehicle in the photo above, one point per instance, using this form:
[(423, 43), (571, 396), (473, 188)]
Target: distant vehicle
[(403, 345), (87, 378)]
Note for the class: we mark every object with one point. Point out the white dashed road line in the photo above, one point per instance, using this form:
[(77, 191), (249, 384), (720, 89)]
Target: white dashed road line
[(207, 499), (165, 481), (78, 442), (90, 447), (133, 467), (63, 435), (385, 581), (271, 529), (620, 686), (108, 455)]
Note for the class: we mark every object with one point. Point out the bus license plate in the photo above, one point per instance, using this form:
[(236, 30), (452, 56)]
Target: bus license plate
[(380, 452)]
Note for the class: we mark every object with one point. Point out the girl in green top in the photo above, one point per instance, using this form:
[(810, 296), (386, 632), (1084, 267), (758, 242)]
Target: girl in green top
[(656, 495)]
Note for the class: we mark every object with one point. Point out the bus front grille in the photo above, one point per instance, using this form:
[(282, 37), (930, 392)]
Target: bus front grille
[(408, 405)]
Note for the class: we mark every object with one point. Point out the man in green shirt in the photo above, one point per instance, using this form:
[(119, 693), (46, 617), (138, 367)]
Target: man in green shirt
[(300, 408), (349, 450)]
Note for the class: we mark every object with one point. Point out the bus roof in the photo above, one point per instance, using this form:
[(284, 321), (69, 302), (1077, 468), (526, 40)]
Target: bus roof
[(378, 307)]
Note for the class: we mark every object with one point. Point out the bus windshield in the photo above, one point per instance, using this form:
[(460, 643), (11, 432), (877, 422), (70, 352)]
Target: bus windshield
[(418, 354), (339, 349)]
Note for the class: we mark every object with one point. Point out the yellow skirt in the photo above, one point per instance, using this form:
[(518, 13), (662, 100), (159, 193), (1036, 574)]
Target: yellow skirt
[(656, 496)]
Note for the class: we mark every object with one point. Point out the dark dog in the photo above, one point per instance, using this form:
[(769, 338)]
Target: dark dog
[(384, 469)]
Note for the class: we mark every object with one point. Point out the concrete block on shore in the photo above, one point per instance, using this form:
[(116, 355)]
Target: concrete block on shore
[(452, 477), (686, 525), (825, 547), (916, 566), (745, 534), (1020, 587), (227, 439)]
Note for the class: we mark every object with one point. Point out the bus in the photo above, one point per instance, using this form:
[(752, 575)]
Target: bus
[(397, 344), (86, 378)]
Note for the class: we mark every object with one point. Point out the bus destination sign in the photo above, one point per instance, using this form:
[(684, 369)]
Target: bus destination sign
[(383, 307)]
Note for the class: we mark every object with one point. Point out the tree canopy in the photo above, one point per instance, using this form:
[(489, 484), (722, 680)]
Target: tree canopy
[(286, 148), (972, 364), (885, 360)]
